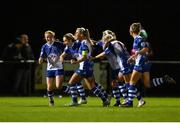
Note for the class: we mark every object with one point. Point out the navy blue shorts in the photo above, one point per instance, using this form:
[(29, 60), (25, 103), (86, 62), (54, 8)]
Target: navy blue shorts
[(147, 67), (143, 68), (127, 70), (84, 73), (54, 73)]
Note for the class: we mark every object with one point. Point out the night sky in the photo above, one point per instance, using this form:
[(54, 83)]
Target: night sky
[(159, 18)]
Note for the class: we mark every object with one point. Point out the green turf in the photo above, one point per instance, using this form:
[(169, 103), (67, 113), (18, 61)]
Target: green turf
[(29, 109)]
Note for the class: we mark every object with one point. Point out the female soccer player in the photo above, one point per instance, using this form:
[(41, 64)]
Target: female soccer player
[(82, 53), (117, 55), (51, 52), (140, 58), (146, 74), (155, 82), (69, 41)]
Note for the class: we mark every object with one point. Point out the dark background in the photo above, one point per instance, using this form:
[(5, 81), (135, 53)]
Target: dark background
[(159, 17)]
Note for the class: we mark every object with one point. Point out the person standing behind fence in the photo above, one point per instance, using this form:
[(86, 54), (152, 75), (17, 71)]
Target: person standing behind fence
[(51, 52), (27, 54), (20, 50)]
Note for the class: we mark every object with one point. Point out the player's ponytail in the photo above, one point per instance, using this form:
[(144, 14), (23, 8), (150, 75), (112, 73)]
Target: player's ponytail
[(83, 31)]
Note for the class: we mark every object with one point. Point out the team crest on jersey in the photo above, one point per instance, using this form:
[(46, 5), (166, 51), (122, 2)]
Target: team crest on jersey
[(143, 44), (53, 57)]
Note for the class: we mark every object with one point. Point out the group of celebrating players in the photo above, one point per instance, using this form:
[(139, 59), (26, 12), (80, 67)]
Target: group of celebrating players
[(127, 69)]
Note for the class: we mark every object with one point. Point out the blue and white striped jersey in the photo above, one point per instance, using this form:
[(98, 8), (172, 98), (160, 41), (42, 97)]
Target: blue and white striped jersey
[(76, 51), (139, 44), (110, 57), (52, 52), (117, 55)]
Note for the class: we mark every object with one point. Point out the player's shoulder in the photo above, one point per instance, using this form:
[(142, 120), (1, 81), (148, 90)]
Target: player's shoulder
[(45, 45), (138, 39), (99, 43), (84, 43), (67, 48), (116, 42)]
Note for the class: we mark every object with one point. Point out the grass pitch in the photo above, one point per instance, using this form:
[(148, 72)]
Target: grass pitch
[(30, 109)]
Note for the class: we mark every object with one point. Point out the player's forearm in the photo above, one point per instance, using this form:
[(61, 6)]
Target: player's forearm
[(63, 55), (100, 55), (142, 51), (81, 59)]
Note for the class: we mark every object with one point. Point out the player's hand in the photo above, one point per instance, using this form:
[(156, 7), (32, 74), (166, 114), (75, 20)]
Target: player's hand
[(73, 61), (61, 59), (131, 59), (92, 58), (40, 60)]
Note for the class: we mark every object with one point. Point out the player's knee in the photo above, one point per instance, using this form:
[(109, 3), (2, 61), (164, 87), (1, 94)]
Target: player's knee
[(114, 84)]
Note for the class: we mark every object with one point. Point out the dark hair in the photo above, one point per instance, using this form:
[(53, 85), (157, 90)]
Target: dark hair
[(83, 31), (18, 38), (69, 36), (135, 28)]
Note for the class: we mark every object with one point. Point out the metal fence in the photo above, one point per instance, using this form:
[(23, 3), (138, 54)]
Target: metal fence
[(34, 80)]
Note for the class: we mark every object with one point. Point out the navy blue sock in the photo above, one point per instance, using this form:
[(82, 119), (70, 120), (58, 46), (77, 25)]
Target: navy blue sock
[(81, 90), (157, 82), (99, 86), (99, 93), (124, 90), (116, 94), (127, 85), (139, 97), (66, 89), (50, 95), (73, 91), (131, 93)]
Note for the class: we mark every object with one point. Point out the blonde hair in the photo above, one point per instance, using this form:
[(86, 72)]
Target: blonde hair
[(49, 32), (109, 34), (135, 28)]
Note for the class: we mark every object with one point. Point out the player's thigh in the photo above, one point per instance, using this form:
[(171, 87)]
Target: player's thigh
[(120, 77), (87, 83), (135, 76), (90, 82), (74, 79), (146, 79), (59, 80), (127, 78), (114, 83)]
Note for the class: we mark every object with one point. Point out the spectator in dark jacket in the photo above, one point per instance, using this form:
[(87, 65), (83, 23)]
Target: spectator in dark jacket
[(14, 53)]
